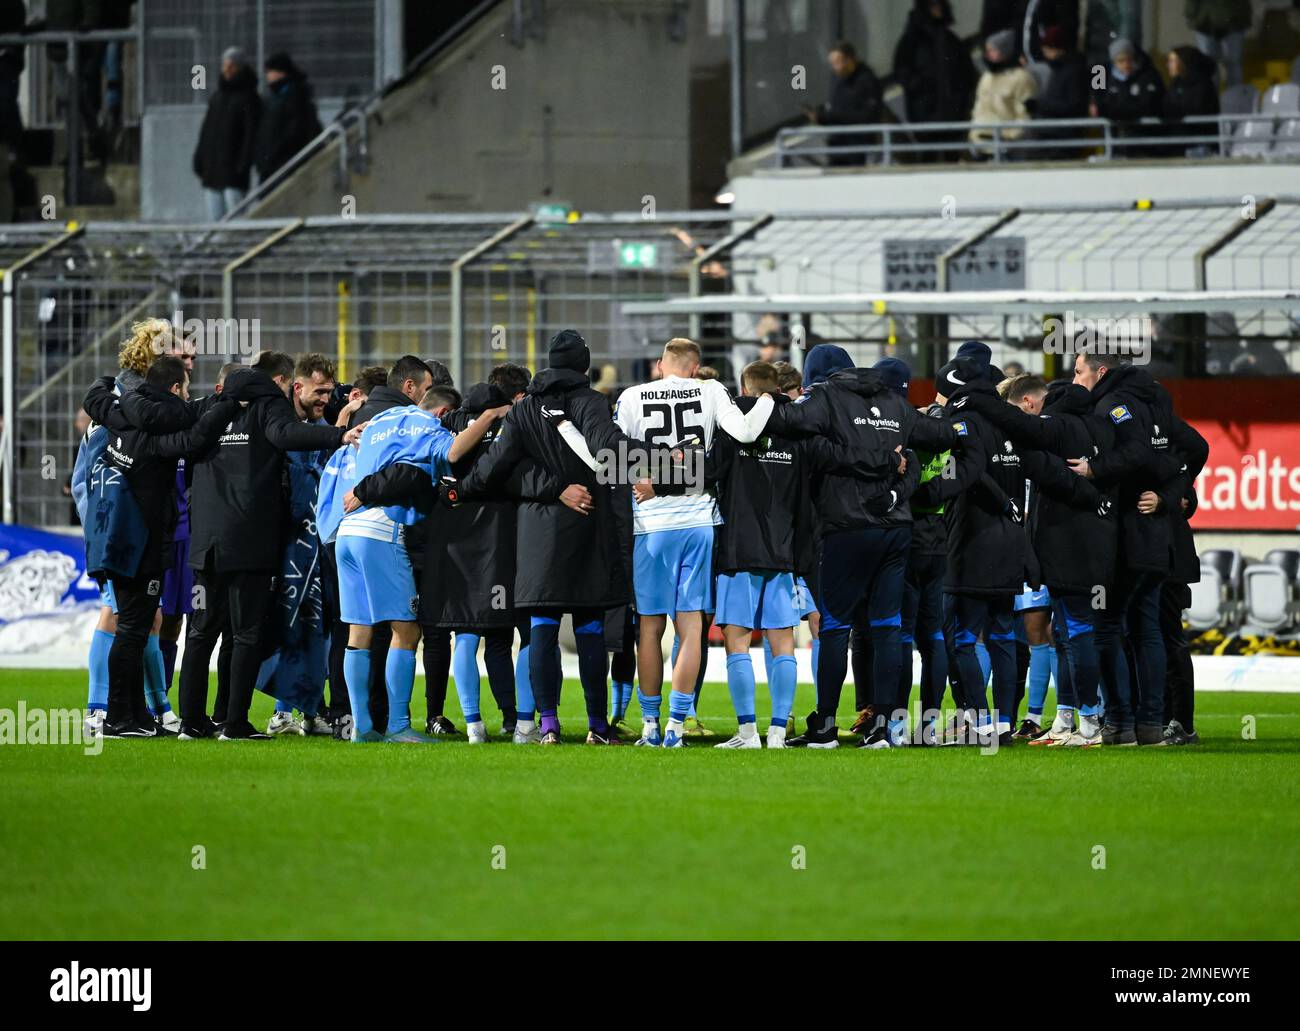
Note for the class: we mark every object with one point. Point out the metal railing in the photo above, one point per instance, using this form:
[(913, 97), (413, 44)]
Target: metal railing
[(1043, 138)]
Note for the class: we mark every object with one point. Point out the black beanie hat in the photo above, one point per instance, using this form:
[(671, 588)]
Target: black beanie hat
[(569, 351)]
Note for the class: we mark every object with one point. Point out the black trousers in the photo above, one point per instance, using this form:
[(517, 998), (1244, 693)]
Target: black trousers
[(244, 598), (437, 667), (137, 601), (1180, 680)]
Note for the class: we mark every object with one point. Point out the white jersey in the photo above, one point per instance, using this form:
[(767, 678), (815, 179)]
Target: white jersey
[(667, 411)]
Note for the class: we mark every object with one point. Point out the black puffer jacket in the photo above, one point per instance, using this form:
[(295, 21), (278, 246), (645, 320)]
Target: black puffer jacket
[(223, 157), (289, 122), (932, 66)]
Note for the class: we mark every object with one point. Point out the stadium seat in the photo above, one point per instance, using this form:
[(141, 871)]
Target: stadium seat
[(1206, 610), (1268, 597), (1242, 99), (1281, 101), (1287, 143), (1229, 564), (1287, 559)]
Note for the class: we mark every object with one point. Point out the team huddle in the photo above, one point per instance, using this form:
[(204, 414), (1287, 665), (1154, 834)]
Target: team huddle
[(1013, 532)]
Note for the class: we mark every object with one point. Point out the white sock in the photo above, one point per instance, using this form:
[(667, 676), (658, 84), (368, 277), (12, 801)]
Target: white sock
[(525, 726), (748, 730)]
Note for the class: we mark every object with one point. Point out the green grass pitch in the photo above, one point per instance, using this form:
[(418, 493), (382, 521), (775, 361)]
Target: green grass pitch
[(316, 838)]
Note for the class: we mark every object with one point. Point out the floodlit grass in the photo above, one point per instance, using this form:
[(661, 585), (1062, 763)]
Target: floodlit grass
[(316, 838)]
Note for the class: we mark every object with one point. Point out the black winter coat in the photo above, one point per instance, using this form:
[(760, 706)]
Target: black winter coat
[(1075, 546), (934, 69), (1194, 451), (228, 138), (566, 560), (855, 100), (147, 453), (289, 122), (1141, 95), (1065, 93), (238, 505)]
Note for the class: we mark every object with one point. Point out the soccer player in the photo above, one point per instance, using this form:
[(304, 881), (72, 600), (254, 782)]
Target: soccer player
[(376, 582), (673, 549)]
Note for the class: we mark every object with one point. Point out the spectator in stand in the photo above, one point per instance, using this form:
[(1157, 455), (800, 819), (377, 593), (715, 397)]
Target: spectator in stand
[(1191, 91), (289, 119), (1107, 21), (854, 100), (13, 19), (934, 69), (223, 158), (1220, 27), (1133, 90), (1003, 90), (1029, 19), (1064, 93)]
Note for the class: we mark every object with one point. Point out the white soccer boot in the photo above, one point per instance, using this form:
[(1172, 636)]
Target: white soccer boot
[(1059, 732), (775, 736), (526, 733), (477, 733), (746, 737), (284, 723)]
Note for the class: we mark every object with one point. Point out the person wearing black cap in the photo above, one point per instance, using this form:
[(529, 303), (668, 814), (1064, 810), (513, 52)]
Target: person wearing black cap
[(567, 547), (289, 119), (864, 552)]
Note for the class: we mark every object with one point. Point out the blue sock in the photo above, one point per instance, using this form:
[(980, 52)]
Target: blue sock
[(1040, 670), (679, 705), (986, 665), (621, 697), (740, 682), (767, 659), (169, 660), (100, 644), (649, 705), (356, 677), (785, 676), (399, 676), (525, 706), (155, 687), (464, 668), (816, 656)]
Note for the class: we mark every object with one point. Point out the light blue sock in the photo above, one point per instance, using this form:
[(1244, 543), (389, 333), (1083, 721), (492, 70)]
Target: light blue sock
[(740, 682), (620, 698), (816, 655), (399, 677), (986, 666), (525, 706), (679, 705), (101, 642), (785, 676), (649, 705), (767, 659), (1040, 670), (464, 668), (356, 677), (155, 678)]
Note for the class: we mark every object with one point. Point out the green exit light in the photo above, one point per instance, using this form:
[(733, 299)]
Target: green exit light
[(637, 255)]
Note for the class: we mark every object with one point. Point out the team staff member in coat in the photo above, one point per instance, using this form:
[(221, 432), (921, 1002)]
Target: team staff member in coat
[(864, 552), (1130, 400), (145, 453), (568, 561), (1076, 547), (237, 511), (989, 560), (223, 157)]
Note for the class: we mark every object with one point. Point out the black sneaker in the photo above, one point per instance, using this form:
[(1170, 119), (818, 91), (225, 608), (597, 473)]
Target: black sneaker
[(245, 733), (1111, 735), (1029, 729), (820, 733), (1176, 734), (130, 728), (439, 725), (162, 731), (1150, 734), (197, 731), (877, 738)]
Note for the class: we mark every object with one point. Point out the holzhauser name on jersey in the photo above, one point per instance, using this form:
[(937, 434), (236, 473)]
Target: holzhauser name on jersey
[(670, 394)]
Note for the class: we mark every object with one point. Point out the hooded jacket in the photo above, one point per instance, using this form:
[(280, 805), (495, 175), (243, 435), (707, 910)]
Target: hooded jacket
[(854, 409), (289, 122), (933, 67), (238, 504), (223, 157)]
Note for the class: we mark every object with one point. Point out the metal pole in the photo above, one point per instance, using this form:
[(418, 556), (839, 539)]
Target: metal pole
[(71, 191), (10, 371), (228, 273), (737, 77)]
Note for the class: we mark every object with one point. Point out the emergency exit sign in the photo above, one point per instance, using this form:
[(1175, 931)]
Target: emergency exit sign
[(637, 255)]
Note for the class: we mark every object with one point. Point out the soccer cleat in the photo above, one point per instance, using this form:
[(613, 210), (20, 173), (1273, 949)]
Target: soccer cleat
[(317, 726), (1175, 734), (1114, 736), (476, 732), (169, 721), (161, 729), (526, 733), (129, 728), (410, 736), (343, 727), (1060, 730), (775, 736), (439, 725), (746, 737), (1087, 736), (245, 733), (650, 735), (621, 729), (1150, 734), (371, 736), (199, 732), (607, 737), (94, 723), (877, 738), (551, 737), (694, 728), (284, 723), (1029, 729), (819, 733), (674, 734)]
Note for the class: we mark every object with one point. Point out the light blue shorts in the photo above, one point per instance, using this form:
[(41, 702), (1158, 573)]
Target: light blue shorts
[(107, 597), (1031, 599), (672, 571), (805, 603), (376, 584), (760, 601)]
